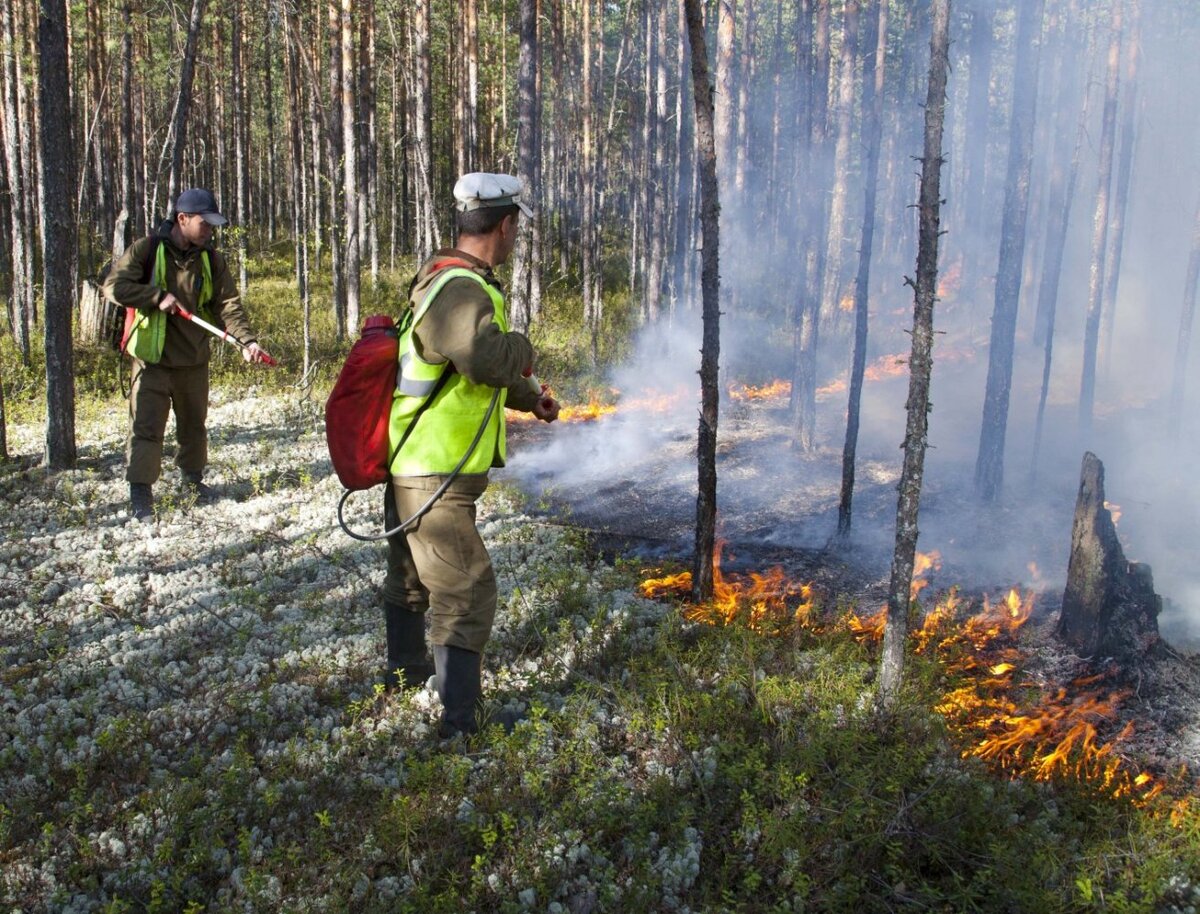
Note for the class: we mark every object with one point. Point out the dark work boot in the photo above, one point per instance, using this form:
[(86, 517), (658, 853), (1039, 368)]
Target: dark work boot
[(141, 500), (458, 685), (191, 482), (408, 665)]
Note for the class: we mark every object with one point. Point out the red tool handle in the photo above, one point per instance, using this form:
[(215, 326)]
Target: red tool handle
[(221, 334)]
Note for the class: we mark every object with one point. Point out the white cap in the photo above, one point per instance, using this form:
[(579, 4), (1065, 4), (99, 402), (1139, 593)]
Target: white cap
[(481, 189)]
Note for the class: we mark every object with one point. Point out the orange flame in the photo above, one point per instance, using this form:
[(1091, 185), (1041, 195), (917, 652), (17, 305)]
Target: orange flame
[(761, 599), (951, 280), (1066, 733), (776, 390)]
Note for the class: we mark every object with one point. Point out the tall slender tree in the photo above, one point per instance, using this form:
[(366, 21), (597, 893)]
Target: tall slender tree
[(874, 71), (1124, 178), (1091, 331), (177, 136), (350, 187), (525, 265), (710, 209), (895, 637), (989, 464), (20, 300), (61, 231)]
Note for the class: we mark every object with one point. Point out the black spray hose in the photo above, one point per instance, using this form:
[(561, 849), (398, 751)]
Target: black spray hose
[(441, 490)]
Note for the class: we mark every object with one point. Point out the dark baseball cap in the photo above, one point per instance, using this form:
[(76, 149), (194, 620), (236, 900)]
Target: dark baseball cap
[(202, 202)]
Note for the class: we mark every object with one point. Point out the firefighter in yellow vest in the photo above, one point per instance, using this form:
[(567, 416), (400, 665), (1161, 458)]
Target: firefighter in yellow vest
[(156, 275), (460, 367)]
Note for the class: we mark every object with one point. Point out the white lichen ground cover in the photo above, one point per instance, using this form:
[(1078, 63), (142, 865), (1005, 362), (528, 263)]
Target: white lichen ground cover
[(189, 707)]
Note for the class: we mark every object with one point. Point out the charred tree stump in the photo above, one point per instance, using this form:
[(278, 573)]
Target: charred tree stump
[(1109, 608)]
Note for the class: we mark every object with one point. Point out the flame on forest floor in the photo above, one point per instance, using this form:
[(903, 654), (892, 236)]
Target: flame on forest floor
[(1003, 721), (775, 390), (884, 367), (767, 601), (999, 717)]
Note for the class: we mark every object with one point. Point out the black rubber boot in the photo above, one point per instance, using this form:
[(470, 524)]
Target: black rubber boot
[(408, 665), (192, 483), (458, 684), (141, 500)]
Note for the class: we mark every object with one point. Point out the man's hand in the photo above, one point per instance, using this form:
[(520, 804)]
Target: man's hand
[(169, 303), (255, 353), (547, 409)]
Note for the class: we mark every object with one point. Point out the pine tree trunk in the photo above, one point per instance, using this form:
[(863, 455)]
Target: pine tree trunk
[(831, 283), (270, 193), (241, 143), (20, 305), (334, 140), (685, 156), (1087, 387), (350, 188), (587, 223), (1061, 191), (891, 666), (804, 377), (423, 122), (525, 265), (710, 207), (989, 465), (471, 96), (1062, 196), (299, 178), (183, 101), (980, 44), (368, 210), (725, 122), (1116, 225), (128, 190), (874, 79), (61, 233)]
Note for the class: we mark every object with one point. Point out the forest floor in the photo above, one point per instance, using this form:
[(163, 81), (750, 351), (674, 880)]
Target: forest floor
[(191, 723)]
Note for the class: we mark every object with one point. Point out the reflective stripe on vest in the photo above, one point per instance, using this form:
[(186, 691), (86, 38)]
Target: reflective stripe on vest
[(448, 425), (148, 335)]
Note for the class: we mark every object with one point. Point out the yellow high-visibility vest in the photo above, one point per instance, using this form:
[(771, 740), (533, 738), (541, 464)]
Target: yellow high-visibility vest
[(448, 425)]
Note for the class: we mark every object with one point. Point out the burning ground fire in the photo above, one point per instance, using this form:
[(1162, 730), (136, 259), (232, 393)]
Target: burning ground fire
[(999, 716), (602, 404)]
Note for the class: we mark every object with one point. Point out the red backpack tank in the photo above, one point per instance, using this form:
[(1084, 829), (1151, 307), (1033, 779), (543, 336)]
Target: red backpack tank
[(358, 411)]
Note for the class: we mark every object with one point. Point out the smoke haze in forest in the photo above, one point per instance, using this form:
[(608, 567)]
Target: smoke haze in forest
[(1152, 461)]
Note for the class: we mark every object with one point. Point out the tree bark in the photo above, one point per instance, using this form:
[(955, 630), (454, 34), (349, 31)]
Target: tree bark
[(710, 208), (471, 95), (1091, 333), (61, 238), (339, 230), (20, 305), (350, 188), (271, 190), (524, 265), (128, 190), (299, 176), (979, 79), (891, 668), (177, 138), (831, 280), (241, 144), (1116, 225), (989, 464), (874, 80)]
